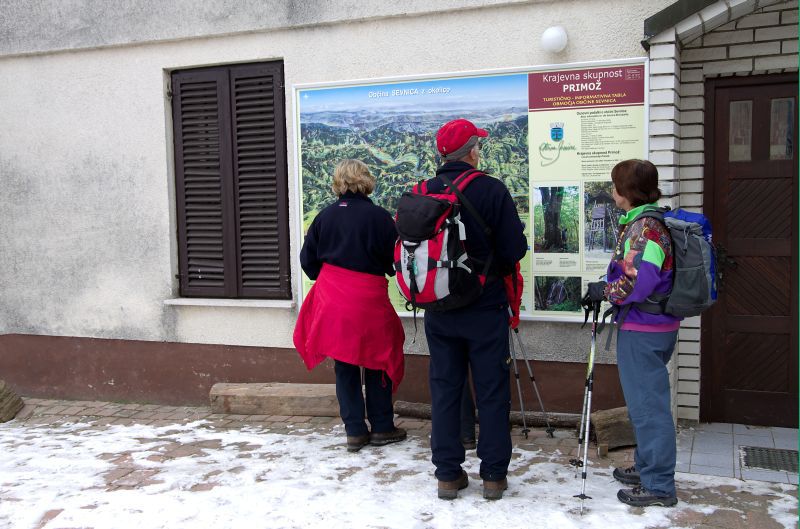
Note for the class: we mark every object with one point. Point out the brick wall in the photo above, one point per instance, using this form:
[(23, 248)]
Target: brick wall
[(730, 37)]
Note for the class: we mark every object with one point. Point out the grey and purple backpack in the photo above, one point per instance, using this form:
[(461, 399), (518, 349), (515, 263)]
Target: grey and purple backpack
[(694, 284)]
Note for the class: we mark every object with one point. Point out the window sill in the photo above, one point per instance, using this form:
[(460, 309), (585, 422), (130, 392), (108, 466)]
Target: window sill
[(246, 303)]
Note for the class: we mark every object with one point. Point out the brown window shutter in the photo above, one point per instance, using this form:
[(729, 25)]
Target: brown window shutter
[(260, 180), (206, 228)]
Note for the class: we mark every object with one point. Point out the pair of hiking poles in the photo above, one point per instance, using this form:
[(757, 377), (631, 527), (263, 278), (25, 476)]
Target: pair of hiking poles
[(592, 307), (525, 430)]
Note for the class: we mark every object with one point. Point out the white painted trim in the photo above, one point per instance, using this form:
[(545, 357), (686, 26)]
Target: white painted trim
[(298, 202), (244, 303)]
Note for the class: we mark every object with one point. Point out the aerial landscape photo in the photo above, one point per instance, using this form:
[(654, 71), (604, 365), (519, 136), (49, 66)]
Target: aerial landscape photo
[(392, 129)]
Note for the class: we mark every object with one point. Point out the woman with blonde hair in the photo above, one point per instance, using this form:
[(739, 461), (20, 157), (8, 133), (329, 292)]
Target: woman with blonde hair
[(347, 316)]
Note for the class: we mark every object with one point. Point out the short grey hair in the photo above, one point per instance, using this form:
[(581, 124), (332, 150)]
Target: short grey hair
[(461, 151)]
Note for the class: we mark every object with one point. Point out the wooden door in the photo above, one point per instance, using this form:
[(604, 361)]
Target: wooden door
[(749, 338)]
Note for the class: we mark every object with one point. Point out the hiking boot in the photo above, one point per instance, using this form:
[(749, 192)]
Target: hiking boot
[(448, 490), (469, 444), (628, 476), (639, 496), (357, 442), (384, 438), (493, 490)]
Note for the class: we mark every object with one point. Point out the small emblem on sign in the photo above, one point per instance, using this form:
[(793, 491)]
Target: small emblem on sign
[(557, 131)]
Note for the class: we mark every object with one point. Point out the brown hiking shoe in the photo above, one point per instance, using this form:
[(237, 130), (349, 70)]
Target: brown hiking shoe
[(384, 438), (357, 442), (448, 490), (493, 490)]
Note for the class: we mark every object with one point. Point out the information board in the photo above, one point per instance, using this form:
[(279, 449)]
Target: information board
[(555, 132)]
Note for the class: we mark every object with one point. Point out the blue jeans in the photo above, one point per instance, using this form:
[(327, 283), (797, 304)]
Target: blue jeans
[(642, 359), (479, 339), (351, 401)]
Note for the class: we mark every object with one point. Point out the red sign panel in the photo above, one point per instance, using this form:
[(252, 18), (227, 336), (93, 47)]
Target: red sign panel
[(590, 87)]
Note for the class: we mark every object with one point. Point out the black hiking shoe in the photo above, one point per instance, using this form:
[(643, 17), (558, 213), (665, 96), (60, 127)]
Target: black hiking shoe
[(448, 490), (357, 442), (639, 496), (628, 476), (493, 490), (384, 438)]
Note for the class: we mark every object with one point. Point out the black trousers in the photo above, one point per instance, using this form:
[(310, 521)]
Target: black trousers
[(351, 400), (467, 413), (478, 339)]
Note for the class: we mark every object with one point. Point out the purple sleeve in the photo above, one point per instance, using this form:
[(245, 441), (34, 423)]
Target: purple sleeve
[(635, 291), (639, 277)]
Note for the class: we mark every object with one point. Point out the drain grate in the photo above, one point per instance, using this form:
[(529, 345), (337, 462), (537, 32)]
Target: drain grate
[(769, 458)]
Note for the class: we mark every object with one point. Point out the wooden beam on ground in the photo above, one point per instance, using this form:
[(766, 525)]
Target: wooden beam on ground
[(613, 428), (562, 420), (10, 402), (273, 398)]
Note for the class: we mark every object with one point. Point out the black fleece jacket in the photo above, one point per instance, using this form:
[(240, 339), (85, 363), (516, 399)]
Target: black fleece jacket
[(351, 233)]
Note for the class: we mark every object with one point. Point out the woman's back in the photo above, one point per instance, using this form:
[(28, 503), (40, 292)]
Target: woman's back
[(351, 233)]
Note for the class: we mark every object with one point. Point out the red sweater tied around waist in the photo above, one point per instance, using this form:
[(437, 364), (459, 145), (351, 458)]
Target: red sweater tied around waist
[(347, 316)]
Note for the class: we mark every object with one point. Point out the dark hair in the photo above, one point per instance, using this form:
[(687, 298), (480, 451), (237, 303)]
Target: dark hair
[(636, 180)]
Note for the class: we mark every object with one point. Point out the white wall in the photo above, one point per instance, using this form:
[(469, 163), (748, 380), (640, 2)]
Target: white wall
[(87, 213)]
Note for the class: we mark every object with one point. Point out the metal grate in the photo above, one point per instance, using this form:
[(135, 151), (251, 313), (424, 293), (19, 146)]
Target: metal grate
[(769, 458)]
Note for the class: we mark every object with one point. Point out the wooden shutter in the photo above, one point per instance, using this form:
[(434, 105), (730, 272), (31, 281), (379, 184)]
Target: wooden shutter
[(259, 168), (202, 167), (231, 178)]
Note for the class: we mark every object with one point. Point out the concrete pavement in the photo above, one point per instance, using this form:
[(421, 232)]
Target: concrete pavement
[(733, 507)]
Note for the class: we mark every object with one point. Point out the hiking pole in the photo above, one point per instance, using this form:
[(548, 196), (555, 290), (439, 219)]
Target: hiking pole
[(525, 428), (549, 429), (588, 307), (587, 411), (576, 461)]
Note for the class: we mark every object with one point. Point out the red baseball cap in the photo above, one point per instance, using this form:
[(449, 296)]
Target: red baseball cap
[(454, 134)]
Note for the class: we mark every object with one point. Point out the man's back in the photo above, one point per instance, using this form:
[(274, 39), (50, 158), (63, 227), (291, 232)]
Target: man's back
[(507, 243), (475, 335)]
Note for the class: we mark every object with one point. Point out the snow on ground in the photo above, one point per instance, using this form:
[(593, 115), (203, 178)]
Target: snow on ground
[(252, 478)]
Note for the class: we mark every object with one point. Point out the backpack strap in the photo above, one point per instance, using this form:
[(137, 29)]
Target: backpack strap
[(657, 214), (463, 180), (618, 313)]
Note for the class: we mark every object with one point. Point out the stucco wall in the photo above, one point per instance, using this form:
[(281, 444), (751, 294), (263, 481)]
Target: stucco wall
[(36, 26), (87, 217)]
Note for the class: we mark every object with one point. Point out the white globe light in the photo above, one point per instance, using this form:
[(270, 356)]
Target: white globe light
[(554, 39)]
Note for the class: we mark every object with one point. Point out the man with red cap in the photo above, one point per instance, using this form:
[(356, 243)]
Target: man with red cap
[(475, 335)]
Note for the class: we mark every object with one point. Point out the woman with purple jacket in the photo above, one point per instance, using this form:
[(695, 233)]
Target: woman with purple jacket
[(642, 265)]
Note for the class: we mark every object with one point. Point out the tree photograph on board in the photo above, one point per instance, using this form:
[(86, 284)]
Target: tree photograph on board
[(556, 219), (560, 294)]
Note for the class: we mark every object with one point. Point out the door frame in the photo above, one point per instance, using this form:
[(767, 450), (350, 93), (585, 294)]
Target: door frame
[(710, 136)]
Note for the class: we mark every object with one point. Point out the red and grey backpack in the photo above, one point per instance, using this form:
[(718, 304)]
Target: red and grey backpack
[(433, 269)]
